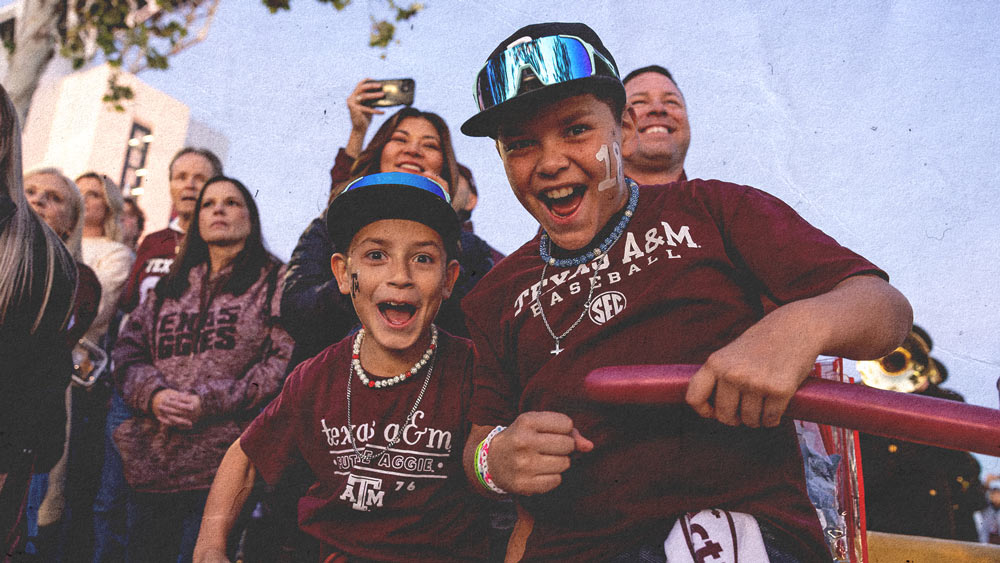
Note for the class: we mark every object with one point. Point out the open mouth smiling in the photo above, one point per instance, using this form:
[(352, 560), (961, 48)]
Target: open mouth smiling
[(397, 313), (563, 201)]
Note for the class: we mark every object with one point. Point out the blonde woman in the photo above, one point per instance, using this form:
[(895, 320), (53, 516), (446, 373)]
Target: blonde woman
[(103, 249), (37, 285), (57, 200)]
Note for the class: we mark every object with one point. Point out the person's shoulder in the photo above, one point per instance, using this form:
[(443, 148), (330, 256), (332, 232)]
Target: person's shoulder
[(454, 344), (337, 352), (164, 238), (162, 234), (517, 261), (274, 264), (503, 272), (325, 363), (693, 187), (716, 197), (115, 248)]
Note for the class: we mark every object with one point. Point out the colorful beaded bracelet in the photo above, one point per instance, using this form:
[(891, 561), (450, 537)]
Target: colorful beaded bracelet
[(482, 467)]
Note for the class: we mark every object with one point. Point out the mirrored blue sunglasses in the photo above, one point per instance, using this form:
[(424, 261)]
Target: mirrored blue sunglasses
[(553, 59), (400, 179)]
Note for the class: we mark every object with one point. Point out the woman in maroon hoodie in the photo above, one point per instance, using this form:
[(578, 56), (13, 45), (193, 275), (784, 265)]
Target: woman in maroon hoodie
[(197, 361)]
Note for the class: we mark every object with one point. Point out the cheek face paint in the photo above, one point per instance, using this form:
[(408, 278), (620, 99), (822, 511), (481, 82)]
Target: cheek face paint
[(621, 164), (611, 158), (354, 284)]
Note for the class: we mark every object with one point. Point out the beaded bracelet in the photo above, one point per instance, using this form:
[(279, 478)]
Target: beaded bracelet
[(482, 468)]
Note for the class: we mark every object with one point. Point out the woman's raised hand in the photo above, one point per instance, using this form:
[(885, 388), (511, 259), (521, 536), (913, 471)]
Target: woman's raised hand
[(361, 115)]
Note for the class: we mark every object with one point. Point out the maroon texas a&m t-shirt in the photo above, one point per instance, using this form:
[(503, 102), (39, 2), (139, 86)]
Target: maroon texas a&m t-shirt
[(411, 504), (686, 278)]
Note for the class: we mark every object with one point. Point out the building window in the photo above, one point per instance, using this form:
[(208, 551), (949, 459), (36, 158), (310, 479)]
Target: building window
[(135, 159)]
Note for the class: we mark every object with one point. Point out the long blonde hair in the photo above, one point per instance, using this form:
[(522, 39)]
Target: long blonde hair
[(113, 200), (26, 244), (73, 239)]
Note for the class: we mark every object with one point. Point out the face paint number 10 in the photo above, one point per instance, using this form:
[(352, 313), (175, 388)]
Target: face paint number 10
[(603, 156)]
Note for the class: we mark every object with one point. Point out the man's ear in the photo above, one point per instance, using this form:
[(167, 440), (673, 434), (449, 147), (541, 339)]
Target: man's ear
[(450, 277), (473, 202), (338, 263), (630, 133)]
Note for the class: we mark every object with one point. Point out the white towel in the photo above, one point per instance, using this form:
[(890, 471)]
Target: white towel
[(715, 536)]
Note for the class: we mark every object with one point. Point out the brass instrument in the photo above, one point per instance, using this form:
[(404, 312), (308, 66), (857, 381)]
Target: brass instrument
[(908, 369)]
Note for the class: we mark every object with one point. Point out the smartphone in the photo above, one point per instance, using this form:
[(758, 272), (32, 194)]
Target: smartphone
[(398, 92)]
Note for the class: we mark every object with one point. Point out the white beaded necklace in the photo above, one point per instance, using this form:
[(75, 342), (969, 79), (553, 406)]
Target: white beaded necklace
[(429, 355), (389, 382)]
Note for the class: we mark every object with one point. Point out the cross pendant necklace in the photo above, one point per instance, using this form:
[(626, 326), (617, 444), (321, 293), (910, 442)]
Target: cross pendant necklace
[(586, 307)]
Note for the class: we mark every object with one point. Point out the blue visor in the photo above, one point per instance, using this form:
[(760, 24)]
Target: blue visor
[(400, 179), (552, 59)]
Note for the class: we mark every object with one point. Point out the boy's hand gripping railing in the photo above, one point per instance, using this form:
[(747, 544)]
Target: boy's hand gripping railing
[(904, 416)]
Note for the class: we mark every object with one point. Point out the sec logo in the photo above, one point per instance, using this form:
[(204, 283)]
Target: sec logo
[(606, 305)]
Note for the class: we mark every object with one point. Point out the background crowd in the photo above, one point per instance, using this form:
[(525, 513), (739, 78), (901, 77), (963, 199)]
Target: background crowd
[(119, 482)]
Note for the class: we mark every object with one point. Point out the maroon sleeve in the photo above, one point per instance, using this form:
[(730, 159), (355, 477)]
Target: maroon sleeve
[(495, 392), (791, 258), (88, 297), (341, 171), (272, 439), (134, 371), (130, 293)]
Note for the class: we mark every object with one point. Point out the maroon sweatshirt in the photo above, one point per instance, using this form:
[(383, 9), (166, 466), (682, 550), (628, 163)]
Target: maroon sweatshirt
[(232, 355)]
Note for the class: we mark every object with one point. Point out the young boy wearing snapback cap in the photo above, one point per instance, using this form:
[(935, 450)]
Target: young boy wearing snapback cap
[(379, 417), (672, 274)]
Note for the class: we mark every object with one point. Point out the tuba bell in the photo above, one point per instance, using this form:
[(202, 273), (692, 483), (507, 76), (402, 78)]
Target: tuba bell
[(908, 369)]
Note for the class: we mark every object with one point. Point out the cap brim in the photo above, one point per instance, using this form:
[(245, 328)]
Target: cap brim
[(487, 122), (353, 210)]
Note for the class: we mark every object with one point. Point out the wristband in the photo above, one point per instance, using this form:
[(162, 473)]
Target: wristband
[(482, 467)]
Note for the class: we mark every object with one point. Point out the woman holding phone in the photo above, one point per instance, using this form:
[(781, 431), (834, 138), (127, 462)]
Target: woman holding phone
[(411, 140)]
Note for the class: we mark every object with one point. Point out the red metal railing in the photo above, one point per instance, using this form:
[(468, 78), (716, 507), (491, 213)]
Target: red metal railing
[(904, 416)]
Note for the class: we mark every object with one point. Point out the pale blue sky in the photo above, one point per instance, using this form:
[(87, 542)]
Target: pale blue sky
[(877, 121)]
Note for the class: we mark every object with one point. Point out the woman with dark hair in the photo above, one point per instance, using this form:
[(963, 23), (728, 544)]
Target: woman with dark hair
[(412, 141), (37, 285), (196, 361)]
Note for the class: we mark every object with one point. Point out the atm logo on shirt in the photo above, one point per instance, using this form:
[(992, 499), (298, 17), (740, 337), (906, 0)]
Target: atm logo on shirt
[(606, 305)]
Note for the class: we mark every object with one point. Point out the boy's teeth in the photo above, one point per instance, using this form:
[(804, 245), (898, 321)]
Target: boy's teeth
[(559, 193), (657, 129)]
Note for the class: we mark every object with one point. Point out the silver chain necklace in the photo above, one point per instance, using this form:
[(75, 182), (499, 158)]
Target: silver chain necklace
[(399, 430), (586, 307)]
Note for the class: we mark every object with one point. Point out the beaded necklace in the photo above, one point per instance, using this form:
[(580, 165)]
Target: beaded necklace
[(545, 244), (602, 249), (366, 458), (389, 382)]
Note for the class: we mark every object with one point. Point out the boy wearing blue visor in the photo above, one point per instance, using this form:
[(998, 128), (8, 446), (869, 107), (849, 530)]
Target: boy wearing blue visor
[(380, 417), (672, 274)]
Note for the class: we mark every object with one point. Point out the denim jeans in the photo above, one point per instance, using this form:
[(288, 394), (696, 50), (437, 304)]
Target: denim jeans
[(110, 517), (36, 494), (163, 528)]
